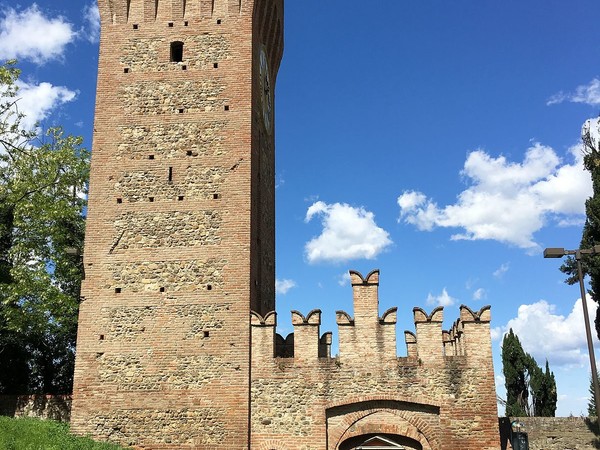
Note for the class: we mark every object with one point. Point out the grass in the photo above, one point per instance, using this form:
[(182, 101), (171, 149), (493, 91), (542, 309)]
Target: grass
[(35, 434)]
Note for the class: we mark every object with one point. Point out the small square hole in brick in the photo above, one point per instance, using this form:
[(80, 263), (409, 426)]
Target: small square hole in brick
[(150, 199), (162, 289), (209, 287), (216, 65), (206, 334), (226, 107), (101, 337), (119, 200), (219, 21), (117, 290), (180, 110), (189, 153), (215, 196), (126, 70), (150, 156), (135, 26), (180, 198), (170, 24), (186, 23), (184, 67)]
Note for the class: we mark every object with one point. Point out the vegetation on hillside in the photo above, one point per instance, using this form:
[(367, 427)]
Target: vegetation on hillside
[(43, 181)]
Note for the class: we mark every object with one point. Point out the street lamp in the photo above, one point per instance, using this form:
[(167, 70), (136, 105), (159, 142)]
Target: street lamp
[(559, 253)]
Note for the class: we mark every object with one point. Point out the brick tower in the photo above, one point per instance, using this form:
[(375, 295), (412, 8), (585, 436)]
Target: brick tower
[(180, 233)]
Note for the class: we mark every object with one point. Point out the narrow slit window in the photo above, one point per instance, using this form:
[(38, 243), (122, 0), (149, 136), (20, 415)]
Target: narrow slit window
[(215, 196), (170, 174), (216, 65), (226, 107), (186, 23), (177, 51), (209, 287)]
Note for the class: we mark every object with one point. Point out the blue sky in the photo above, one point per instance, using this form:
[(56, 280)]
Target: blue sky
[(434, 140)]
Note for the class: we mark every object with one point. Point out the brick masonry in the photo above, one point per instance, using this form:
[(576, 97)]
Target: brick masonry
[(177, 346), (180, 235)]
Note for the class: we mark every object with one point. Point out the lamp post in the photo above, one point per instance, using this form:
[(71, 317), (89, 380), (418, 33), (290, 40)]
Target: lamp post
[(559, 253)]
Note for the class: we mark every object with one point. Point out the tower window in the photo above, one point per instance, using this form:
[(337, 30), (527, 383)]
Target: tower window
[(176, 51), (170, 24)]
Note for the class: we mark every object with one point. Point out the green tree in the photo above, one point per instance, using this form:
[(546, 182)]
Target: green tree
[(514, 370), (530, 391), (43, 179), (590, 264)]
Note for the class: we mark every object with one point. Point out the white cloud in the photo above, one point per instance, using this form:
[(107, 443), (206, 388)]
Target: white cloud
[(547, 335), (37, 101), (585, 93), (344, 279), (30, 35), (444, 299), (283, 286), (496, 333), (91, 17), (348, 233), (507, 201), (500, 271), (479, 294)]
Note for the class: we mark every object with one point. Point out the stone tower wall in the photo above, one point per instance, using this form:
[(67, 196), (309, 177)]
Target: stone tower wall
[(175, 234)]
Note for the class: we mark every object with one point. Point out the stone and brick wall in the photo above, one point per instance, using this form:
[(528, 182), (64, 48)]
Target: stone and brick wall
[(55, 407), (554, 433), (434, 398), (180, 234)]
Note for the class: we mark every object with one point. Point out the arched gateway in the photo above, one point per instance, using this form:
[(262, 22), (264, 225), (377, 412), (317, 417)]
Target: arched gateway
[(380, 442)]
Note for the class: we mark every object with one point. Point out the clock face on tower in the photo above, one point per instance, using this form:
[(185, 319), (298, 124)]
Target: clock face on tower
[(265, 90)]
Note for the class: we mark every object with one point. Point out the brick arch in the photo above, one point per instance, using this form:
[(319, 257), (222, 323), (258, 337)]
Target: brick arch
[(271, 444), (380, 422), (385, 417), (371, 398)]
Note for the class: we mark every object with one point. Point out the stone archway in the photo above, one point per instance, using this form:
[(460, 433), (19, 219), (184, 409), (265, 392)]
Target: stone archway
[(416, 424)]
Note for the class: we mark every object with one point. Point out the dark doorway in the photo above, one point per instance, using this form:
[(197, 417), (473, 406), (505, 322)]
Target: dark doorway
[(382, 441)]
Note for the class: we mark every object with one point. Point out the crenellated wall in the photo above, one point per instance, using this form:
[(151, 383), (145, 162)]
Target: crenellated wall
[(441, 396)]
